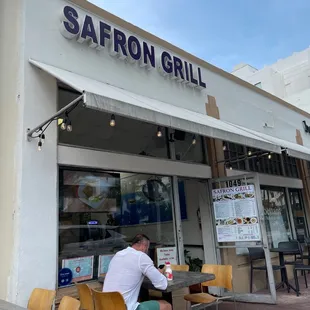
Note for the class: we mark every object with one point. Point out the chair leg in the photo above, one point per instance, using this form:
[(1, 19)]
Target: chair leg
[(286, 280), (267, 284), (296, 282), (251, 280), (306, 282), (217, 305)]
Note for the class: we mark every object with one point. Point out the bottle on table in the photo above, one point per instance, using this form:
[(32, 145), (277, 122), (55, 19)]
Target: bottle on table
[(168, 272)]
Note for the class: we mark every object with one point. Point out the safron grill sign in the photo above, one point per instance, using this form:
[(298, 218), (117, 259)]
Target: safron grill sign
[(101, 35)]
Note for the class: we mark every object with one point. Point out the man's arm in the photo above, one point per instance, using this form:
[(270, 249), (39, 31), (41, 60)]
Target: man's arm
[(148, 269)]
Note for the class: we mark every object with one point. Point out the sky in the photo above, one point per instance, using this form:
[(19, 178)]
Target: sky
[(223, 32)]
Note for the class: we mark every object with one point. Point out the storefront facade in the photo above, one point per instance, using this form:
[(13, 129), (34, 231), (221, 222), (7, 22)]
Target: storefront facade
[(170, 113)]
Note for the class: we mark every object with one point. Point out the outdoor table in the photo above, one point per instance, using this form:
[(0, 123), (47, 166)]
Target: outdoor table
[(4, 305), (181, 279), (282, 253)]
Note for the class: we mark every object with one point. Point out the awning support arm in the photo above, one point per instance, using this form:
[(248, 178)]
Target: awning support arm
[(30, 132)]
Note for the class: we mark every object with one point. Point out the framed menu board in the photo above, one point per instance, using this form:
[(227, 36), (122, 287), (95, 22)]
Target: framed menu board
[(81, 267), (104, 262), (236, 214)]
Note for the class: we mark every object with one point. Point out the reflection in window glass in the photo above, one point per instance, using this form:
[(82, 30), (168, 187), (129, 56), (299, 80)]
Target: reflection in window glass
[(185, 149), (276, 217), (298, 214), (92, 130), (100, 213)]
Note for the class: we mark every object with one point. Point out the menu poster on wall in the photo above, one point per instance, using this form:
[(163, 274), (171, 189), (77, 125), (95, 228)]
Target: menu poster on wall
[(168, 254), (81, 267), (236, 214), (104, 262)]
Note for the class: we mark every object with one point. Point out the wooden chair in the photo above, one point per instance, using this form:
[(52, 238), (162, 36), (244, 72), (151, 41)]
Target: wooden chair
[(69, 303), (108, 301), (223, 279), (85, 296), (41, 299), (180, 267)]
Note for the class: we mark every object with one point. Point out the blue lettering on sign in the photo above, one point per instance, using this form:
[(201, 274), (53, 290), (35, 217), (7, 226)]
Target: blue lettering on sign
[(101, 35), (88, 32), (71, 24)]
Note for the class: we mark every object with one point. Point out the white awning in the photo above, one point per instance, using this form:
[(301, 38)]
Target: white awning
[(104, 97), (292, 149)]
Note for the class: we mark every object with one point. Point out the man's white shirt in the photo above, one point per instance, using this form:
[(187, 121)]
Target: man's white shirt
[(126, 272)]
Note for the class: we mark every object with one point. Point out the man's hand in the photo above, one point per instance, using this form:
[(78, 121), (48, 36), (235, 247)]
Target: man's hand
[(161, 270)]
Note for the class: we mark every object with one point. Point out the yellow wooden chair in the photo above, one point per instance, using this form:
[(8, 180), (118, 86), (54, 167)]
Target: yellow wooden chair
[(41, 299), (85, 296), (108, 301), (180, 267), (69, 303), (223, 279)]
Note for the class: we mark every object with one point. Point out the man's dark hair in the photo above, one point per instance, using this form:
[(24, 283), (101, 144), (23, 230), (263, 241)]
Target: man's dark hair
[(139, 238)]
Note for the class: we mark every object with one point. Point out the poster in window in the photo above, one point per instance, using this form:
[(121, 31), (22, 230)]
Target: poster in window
[(104, 262), (236, 214), (81, 267), (90, 191)]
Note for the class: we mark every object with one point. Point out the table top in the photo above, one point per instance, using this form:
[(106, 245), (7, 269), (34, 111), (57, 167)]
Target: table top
[(181, 279), (285, 251), (4, 305)]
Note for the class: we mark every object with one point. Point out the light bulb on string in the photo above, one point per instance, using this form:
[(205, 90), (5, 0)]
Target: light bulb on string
[(224, 147), (42, 138), (112, 120), (63, 125), (269, 156), (194, 141), (69, 126), (229, 166), (159, 132), (40, 145), (249, 153)]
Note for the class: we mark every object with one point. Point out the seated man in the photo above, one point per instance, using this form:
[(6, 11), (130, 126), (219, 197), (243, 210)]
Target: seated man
[(126, 273)]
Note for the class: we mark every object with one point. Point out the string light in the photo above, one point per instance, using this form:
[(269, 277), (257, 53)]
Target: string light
[(269, 156), (224, 147), (63, 125), (229, 166), (112, 120), (40, 145), (69, 126), (42, 137), (159, 132), (249, 153), (194, 140)]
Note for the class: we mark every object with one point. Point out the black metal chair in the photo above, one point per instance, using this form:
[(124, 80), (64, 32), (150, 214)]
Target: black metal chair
[(297, 251), (257, 254), (307, 245), (303, 269)]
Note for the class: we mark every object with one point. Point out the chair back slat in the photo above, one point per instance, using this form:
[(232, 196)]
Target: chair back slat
[(180, 267), (69, 303), (223, 276), (256, 253), (108, 301), (41, 299), (85, 296)]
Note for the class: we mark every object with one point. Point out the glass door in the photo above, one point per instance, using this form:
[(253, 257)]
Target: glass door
[(298, 214)]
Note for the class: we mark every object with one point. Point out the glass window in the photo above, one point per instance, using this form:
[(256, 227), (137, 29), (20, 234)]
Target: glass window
[(235, 155), (276, 216), (290, 166), (188, 147), (298, 214), (100, 213), (263, 162), (92, 130)]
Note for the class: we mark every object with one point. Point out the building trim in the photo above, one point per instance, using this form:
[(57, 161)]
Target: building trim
[(134, 29)]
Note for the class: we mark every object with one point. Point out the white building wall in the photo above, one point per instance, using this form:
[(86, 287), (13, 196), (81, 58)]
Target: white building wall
[(11, 36), (35, 248)]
